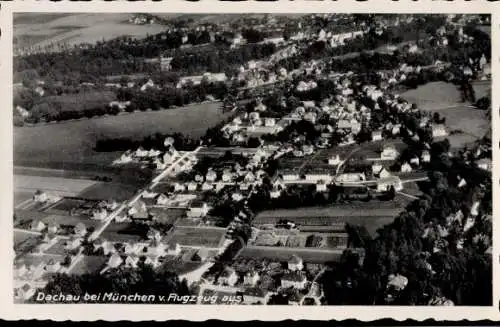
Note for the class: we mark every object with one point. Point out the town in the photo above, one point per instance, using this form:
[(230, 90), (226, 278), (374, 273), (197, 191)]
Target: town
[(316, 159)]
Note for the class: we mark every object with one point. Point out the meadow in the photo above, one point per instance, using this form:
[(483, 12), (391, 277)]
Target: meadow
[(76, 28), (62, 145)]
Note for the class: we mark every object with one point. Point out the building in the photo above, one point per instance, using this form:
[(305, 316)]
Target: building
[(334, 160), (426, 156), (132, 261), (251, 278), (80, 230), (384, 184), (439, 130), (295, 263), (198, 209), (295, 279), (37, 225), (406, 168), (228, 277), (211, 176), (350, 178), (389, 152), (377, 136), (114, 261), (484, 164), (290, 175), (40, 196)]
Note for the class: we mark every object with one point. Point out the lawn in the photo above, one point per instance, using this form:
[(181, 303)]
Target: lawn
[(75, 28), (69, 144)]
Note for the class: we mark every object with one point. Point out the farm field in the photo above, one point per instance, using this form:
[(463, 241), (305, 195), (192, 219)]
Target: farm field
[(444, 99), (192, 236), (433, 96), (72, 143), (106, 191), (80, 101), (64, 186), (282, 254), (75, 28)]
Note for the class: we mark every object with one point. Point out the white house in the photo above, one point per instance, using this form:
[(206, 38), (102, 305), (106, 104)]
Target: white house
[(99, 214), (192, 186), (376, 168), (73, 243), (37, 225), (439, 130), (334, 160), (295, 263), (207, 186), (114, 261), (290, 175), (251, 278), (228, 277), (384, 184), (426, 156), (415, 161), (80, 230), (389, 153), (211, 176), (376, 136), (484, 164), (406, 168), (321, 187), (474, 210), (178, 187), (174, 249), (198, 209), (350, 177)]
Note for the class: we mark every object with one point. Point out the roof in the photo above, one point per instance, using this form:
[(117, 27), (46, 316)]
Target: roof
[(295, 259), (227, 272)]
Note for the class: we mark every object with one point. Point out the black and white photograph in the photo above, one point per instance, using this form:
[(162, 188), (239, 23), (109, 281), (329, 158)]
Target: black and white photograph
[(307, 159)]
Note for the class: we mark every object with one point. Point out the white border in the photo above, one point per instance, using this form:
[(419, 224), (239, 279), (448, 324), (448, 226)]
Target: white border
[(83, 312)]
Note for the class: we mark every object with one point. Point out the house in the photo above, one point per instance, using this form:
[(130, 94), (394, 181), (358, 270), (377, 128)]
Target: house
[(295, 279), (227, 176), (99, 214), (139, 210), (382, 173), (207, 186), (52, 228), (178, 187), (397, 282), (108, 248), (37, 226), (174, 249), (350, 177), (73, 243), (162, 199), (439, 130), (154, 235), (318, 175), (22, 112), (80, 230), (307, 149), (211, 176), (198, 209), (321, 187), (389, 152), (290, 175), (147, 85), (334, 160), (415, 161), (250, 177), (132, 248), (114, 261), (384, 184), (406, 168), (275, 192), (236, 196), (474, 210), (251, 278), (141, 153), (192, 186), (269, 122), (40, 196), (170, 155), (228, 277), (40, 91), (426, 156), (132, 261), (376, 136), (152, 261), (295, 263), (484, 164)]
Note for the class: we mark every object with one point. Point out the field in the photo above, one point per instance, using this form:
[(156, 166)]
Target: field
[(80, 101), (192, 236), (282, 254), (106, 191), (74, 28), (69, 221), (63, 186), (69, 144), (444, 98), (372, 215), (433, 96), (20, 197), (124, 232)]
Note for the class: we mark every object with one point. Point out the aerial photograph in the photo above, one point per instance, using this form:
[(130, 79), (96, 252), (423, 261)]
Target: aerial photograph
[(272, 159)]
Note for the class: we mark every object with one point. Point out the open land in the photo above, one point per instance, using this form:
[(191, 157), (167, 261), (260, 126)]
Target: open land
[(76, 28), (73, 142)]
